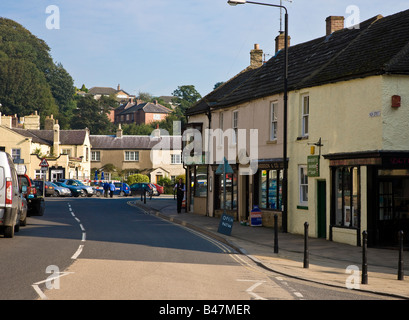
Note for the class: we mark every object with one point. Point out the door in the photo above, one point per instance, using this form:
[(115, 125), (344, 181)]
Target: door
[(322, 209)]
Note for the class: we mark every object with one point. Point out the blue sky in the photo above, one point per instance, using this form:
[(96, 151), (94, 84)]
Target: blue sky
[(157, 45)]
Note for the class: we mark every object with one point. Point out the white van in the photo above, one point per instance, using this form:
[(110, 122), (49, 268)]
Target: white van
[(9, 196)]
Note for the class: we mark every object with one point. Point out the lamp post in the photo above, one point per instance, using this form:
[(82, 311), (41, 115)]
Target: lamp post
[(285, 169)]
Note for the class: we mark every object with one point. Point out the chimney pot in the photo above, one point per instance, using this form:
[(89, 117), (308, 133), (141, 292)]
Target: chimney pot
[(334, 23)]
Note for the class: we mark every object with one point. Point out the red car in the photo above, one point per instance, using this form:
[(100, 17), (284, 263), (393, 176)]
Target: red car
[(159, 188)]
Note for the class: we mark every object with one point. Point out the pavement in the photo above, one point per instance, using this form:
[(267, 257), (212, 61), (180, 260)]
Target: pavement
[(330, 263)]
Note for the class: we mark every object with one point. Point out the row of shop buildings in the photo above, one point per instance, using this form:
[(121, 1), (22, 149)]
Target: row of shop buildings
[(347, 136)]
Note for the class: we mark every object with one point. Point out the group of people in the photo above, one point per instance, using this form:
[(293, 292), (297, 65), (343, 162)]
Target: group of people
[(109, 187), (179, 187)]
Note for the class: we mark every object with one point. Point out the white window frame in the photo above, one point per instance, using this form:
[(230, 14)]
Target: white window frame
[(39, 174), (235, 125), (176, 158), (303, 184), (221, 129), (305, 114), (273, 120), (131, 156), (95, 155)]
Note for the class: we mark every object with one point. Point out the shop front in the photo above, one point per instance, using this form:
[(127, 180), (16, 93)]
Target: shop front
[(370, 191)]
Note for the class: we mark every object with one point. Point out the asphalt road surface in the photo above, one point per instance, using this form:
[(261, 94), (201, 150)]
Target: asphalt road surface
[(105, 249)]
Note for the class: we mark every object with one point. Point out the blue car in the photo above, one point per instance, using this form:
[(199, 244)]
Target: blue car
[(122, 189)]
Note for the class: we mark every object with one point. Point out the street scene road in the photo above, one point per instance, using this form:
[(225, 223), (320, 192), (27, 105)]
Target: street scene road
[(102, 248)]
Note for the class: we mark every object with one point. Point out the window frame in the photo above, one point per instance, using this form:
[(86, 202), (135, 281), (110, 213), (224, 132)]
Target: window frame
[(273, 120), (135, 157), (302, 185), (305, 103), (235, 125), (94, 157)]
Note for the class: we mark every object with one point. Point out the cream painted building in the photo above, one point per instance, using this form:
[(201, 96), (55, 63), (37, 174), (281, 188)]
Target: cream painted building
[(348, 100), (66, 151)]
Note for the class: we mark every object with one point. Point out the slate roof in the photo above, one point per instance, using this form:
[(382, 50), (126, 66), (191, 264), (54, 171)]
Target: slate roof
[(147, 107), (379, 46), (130, 142), (67, 137)]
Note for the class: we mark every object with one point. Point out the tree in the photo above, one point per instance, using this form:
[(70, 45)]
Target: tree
[(89, 115), (184, 98), (218, 84), (24, 89), (63, 90)]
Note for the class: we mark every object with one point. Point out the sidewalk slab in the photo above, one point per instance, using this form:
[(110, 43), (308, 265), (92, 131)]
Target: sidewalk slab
[(330, 263)]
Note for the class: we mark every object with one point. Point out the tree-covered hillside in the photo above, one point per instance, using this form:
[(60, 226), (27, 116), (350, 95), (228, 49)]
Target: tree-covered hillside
[(29, 78)]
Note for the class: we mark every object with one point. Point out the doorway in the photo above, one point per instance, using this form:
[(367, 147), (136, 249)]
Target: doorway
[(322, 209)]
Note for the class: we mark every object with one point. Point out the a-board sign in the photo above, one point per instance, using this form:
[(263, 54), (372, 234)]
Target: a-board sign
[(225, 224)]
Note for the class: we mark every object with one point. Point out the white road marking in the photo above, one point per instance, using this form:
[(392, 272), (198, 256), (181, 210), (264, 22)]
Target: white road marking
[(78, 252), (250, 289)]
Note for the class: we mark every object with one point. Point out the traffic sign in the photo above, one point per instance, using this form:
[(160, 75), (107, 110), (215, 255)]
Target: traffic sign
[(44, 163)]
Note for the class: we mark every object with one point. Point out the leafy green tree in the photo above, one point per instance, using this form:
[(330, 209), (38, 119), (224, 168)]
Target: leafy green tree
[(24, 89), (89, 115), (137, 130)]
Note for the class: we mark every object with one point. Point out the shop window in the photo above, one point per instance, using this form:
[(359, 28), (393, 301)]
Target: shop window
[(270, 193), (201, 181), (231, 192), (347, 195)]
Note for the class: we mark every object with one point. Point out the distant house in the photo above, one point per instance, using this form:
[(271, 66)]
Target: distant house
[(156, 156), (141, 113), (121, 95)]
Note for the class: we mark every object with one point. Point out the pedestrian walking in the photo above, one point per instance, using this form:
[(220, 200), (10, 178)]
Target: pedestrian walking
[(180, 194), (106, 189), (111, 189)]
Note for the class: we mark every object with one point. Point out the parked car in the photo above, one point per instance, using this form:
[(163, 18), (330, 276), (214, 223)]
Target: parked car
[(140, 187), (155, 191), (35, 200), (159, 188), (10, 199), (121, 188), (85, 191), (75, 191), (59, 191), (49, 190)]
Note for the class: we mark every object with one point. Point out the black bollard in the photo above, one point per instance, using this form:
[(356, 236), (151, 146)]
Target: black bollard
[(144, 197), (400, 265), (364, 279), (141, 196), (275, 233), (306, 251)]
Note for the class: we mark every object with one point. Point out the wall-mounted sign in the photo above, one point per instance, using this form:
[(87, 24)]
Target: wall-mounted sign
[(313, 166)]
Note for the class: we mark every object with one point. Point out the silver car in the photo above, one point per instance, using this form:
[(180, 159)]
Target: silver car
[(60, 191)]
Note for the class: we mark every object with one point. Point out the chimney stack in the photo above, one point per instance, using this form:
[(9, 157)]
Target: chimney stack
[(334, 23), (280, 42), (256, 57), (56, 139), (119, 131)]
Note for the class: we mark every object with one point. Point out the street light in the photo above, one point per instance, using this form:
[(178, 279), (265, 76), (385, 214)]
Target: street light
[(285, 169)]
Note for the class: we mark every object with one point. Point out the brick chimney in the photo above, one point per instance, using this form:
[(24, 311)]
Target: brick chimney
[(334, 23), (256, 57), (280, 42)]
